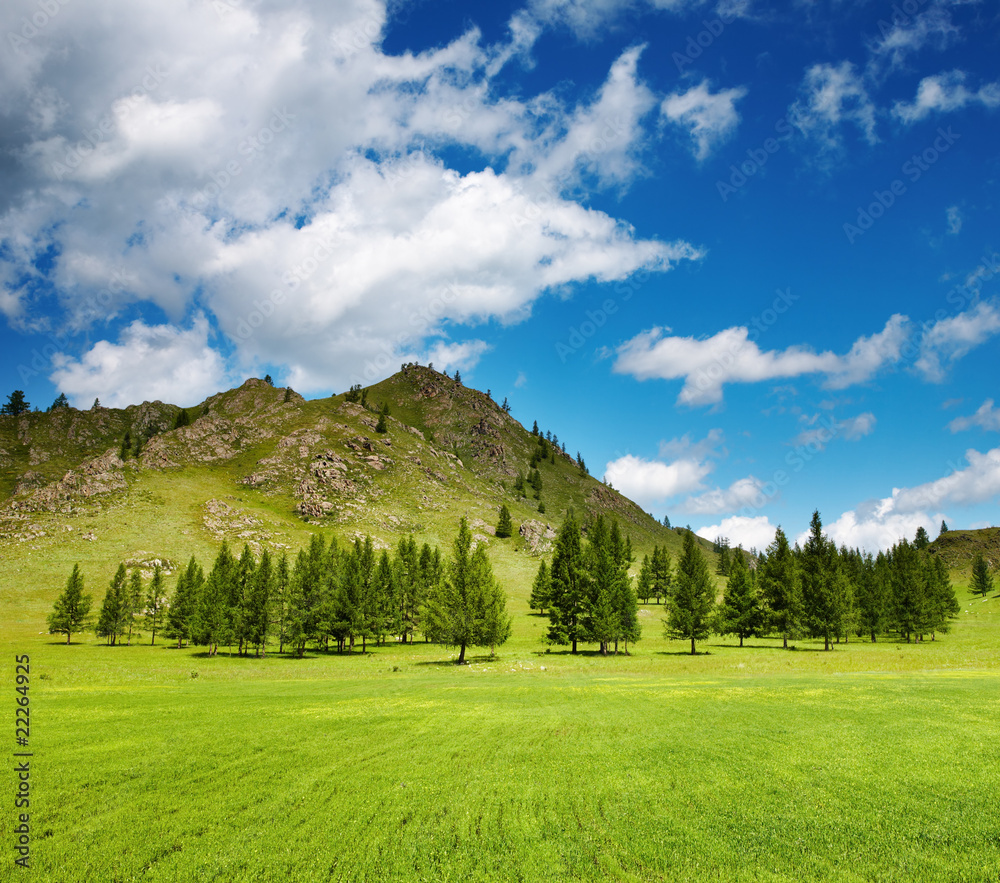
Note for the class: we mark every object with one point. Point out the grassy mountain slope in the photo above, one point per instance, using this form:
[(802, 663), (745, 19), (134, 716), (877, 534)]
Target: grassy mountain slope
[(263, 466)]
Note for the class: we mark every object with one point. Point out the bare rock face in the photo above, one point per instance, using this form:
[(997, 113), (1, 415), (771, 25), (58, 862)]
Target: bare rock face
[(102, 475), (538, 536)]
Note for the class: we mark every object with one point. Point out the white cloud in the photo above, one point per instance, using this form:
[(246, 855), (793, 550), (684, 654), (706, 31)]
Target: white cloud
[(950, 339), (709, 119), (744, 492), (986, 417), (878, 524), (755, 532), (907, 36), (731, 357), (149, 362), (830, 97), (944, 93), (851, 429), (586, 18), (651, 481), (212, 171)]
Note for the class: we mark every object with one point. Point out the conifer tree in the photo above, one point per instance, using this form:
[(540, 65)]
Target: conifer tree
[(644, 585), (536, 483), (260, 603), (944, 528), (71, 612), (281, 579), (182, 607), (155, 603), (661, 571), (534, 428), (982, 580), (570, 584), (779, 583), (741, 612), (692, 597), (212, 625), (60, 402), (134, 597), (505, 527), (942, 601), (910, 609), (873, 596), (111, 618), (16, 405), (541, 588), (468, 607), (823, 585), (182, 419), (921, 541)]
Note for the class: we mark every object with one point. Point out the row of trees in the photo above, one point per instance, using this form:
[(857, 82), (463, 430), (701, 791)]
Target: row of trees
[(587, 590), (330, 595), (824, 592)]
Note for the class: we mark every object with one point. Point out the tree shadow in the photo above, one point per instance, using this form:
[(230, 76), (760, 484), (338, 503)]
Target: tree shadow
[(453, 663)]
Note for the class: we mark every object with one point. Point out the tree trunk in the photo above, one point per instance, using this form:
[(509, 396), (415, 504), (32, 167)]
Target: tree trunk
[(67, 636), (826, 642), (785, 636), (692, 645), (574, 644), (461, 655)]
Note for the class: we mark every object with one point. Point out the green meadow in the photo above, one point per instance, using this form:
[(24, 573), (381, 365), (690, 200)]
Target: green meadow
[(870, 762)]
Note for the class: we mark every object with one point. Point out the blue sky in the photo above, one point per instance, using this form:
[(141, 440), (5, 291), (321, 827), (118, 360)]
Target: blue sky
[(743, 256)]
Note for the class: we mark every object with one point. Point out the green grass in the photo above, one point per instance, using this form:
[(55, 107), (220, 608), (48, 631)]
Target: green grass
[(871, 762)]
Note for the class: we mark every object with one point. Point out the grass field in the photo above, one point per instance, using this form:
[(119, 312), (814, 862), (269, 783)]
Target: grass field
[(871, 762)]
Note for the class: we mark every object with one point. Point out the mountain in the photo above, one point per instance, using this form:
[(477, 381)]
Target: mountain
[(957, 548), (263, 466)]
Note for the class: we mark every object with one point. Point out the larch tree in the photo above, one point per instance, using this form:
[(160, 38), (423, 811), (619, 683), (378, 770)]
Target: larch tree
[(741, 612), (71, 612), (505, 528), (822, 584), (541, 588), (692, 597), (110, 619), (981, 582), (570, 587), (779, 583), (155, 603)]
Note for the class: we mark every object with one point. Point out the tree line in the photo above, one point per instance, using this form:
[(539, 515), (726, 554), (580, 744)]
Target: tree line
[(331, 596)]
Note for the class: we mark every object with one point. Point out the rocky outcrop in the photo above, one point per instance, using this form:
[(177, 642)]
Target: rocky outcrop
[(538, 536)]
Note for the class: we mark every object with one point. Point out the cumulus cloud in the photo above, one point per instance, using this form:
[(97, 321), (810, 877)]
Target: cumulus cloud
[(710, 119), (755, 532), (948, 340), (943, 93), (954, 218), (878, 524), (986, 417), (651, 481), (730, 356), (743, 492), (681, 466), (189, 161), (149, 362), (831, 96)]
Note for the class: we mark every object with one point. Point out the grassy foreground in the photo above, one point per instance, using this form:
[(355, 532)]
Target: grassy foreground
[(866, 763)]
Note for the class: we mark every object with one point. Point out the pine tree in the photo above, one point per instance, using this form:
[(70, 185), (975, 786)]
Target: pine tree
[(519, 486), (155, 603), (601, 620), (534, 428), (692, 598), (910, 608), (268, 380), (921, 541), (873, 596), (468, 608), (504, 526), (724, 558), (16, 405), (741, 612), (541, 588), (494, 624), (644, 585), (661, 570), (134, 597), (260, 603), (779, 583), (982, 580), (60, 402), (182, 419), (109, 621), (536, 483), (823, 588), (570, 587), (942, 601), (944, 528), (212, 617), (381, 426), (182, 606), (71, 612), (126, 448)]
